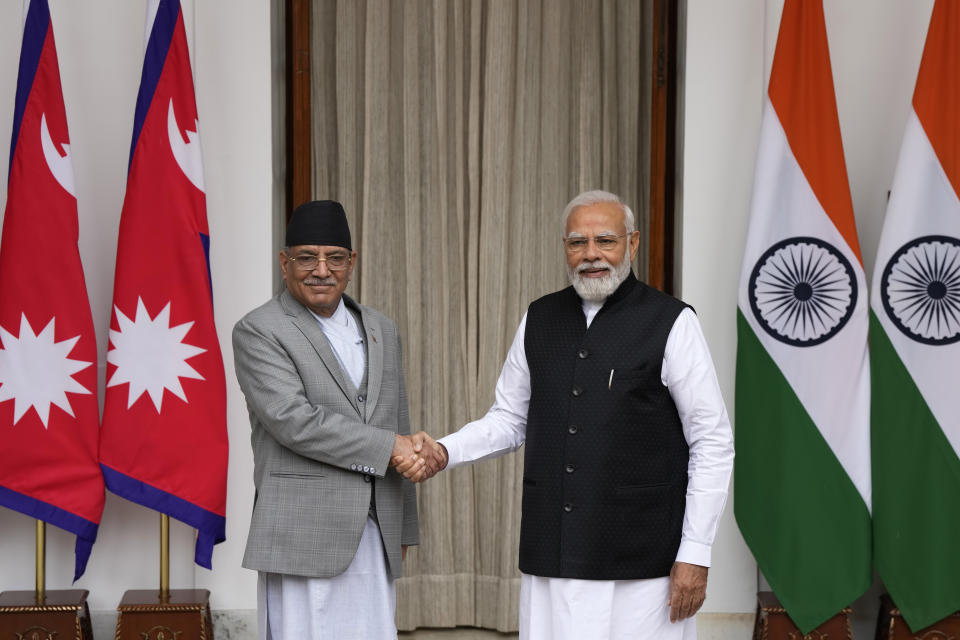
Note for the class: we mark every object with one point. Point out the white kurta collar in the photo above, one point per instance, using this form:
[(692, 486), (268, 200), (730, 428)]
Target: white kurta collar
[(346, 340), (591, 308)]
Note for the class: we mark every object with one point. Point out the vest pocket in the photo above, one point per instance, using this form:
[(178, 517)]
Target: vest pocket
[(638, 492), (645, 521)]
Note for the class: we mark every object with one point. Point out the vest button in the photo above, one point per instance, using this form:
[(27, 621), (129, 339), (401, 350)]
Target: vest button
[(577, 392), (360, 398), (366, 478), (569, 468), (582, 354), (568, 507), (572, 429)]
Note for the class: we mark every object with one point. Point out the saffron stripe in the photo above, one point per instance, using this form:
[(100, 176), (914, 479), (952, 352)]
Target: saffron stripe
[(801, 91), (937, 87)]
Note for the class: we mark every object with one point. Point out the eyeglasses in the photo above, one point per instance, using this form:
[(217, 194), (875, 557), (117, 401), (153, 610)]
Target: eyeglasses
[(605, 242), (308, 262)]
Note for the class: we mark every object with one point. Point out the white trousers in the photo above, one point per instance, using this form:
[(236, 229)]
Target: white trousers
[(358, 604), (568, 609)]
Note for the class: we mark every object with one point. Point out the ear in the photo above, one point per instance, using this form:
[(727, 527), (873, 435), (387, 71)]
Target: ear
[(353, 263), (634, 245), (284, 262)]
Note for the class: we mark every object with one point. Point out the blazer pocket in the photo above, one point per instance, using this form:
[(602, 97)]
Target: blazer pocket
[(295, 474)]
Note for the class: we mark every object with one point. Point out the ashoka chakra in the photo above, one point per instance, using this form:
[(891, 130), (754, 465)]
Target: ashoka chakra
[(802, 291), (920, 289)]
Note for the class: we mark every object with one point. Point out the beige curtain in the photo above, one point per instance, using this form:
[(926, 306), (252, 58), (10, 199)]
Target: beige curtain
[(454, 132)]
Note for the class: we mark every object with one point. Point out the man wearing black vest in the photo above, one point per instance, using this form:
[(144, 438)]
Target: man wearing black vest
[(629, 448)]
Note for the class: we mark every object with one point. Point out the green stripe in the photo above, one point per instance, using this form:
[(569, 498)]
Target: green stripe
[(799, 512), (916, 489)]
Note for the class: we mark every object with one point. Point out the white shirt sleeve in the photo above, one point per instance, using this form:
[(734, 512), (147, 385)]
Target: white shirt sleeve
[(689, 375), (504, 428)]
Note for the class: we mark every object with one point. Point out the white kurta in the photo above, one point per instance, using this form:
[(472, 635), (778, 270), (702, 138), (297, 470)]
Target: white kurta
[(568, 609), (360, 603)]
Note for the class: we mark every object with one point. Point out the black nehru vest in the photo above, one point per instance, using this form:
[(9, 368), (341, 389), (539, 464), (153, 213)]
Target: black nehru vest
[(605, 475)]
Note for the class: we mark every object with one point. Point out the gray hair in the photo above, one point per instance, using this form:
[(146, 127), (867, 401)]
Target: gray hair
[(597, 196)]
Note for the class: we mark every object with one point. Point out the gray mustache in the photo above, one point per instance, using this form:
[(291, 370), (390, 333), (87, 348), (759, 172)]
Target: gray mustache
[(596, 264)]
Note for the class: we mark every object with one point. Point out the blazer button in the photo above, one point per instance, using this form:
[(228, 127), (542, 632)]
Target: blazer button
[(577, 392), (361, 398), (572, 429), (569, 468), (353, 467), (366, 469), (582, 354), (568, 507)]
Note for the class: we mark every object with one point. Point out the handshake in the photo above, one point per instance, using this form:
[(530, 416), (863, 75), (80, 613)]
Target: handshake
[(418, 457)]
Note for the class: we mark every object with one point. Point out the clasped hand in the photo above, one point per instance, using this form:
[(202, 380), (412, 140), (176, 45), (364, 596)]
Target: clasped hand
[(418, 457)]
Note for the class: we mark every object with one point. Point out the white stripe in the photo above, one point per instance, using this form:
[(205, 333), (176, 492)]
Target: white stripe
[(922, 203), (830, 379)]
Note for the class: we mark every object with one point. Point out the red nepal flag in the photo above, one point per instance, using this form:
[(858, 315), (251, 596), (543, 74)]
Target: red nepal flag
[(164, 438), (48, 350)]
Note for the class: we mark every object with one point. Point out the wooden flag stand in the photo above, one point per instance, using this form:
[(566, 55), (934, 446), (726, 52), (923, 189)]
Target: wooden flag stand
[(42, 614), (180, 614), (891, 626), (773, 623)]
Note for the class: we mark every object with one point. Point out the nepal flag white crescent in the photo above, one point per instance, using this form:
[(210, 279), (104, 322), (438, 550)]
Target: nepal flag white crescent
[(188, 154), (60, 166)]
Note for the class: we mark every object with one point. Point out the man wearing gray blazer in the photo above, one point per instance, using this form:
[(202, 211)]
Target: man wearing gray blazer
[(323, 380)]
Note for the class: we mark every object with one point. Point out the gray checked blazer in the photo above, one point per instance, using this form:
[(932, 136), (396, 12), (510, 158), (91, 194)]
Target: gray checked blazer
[(319, 451)]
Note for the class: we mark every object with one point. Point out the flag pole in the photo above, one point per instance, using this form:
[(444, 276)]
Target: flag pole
[(164, 557), (41, 561)]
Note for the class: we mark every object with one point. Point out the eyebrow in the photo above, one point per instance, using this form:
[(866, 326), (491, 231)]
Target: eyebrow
[(605, 232)]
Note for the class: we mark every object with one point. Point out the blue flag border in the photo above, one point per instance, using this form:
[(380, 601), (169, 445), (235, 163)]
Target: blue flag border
[(211, 528), (85, 530), (35, 29), (161, 35)]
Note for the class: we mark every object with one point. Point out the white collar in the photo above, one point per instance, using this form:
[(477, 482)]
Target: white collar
[(341, 317)]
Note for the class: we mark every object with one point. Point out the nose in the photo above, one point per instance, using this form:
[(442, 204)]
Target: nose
[(592, 251), (321, 268)]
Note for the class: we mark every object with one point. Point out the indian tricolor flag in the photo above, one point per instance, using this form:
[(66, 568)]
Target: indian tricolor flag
[(915, 344), (802, 471)]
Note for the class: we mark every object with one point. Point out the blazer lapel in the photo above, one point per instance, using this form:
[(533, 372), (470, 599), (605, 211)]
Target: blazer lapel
[(310, 328), (374, 359)]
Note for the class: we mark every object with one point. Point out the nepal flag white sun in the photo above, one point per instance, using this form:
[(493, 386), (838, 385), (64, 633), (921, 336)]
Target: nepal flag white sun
[(36, 371), (150, 355)]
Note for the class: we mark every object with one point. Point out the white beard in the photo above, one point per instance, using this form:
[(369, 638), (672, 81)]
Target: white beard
[(599, 289)]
